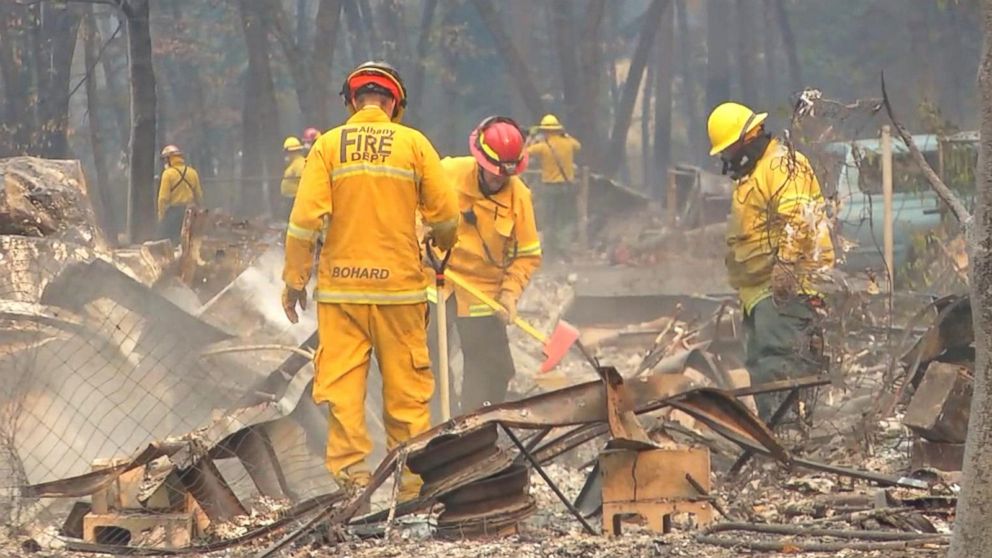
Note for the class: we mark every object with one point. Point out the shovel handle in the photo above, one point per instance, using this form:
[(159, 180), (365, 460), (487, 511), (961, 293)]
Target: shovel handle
[(488, 301)]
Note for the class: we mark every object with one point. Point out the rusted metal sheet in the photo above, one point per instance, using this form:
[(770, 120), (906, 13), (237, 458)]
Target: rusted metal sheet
[(946, 457), (940, 407), (206, 484)]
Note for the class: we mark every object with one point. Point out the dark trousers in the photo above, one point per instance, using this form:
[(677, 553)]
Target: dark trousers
[(172, 224), (556, 216), (488, 365), (783, 341)]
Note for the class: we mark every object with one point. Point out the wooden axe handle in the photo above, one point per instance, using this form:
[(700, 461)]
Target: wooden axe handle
[(488, 301)]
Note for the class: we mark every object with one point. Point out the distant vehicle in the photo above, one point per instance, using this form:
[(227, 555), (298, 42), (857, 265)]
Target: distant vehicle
[(854, 176)]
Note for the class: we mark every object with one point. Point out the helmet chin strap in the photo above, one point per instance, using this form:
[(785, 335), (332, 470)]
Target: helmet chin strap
[(484, 186), (742, 162)]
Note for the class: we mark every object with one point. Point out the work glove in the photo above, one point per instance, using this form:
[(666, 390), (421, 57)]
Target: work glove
[(444, 234), (508, 301), (290, 298), (785, 282)]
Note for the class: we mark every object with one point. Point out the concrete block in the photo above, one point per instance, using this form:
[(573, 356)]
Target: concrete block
[(156, 530)]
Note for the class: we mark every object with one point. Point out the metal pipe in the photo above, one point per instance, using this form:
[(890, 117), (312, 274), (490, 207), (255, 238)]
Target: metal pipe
[(554, 488)]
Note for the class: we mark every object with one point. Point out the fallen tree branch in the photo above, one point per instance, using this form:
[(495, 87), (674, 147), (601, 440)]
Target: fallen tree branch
[(793, 545), (946, 195)]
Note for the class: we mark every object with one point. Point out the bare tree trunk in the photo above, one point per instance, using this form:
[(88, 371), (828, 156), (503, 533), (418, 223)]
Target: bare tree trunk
[(514, 61), (100, 189), (972, 536), (771, 70), (368, 24), (646, 93), (688, 82), (591, 88), (746, 61), (15, 67), (789, 43), (189, 93), (262, 152), (562, 28), (663, 102), (621, 121), (449, 85), (302, 24), (356, 31), (717, 53), (117, 89), (143, 107), (321, 60), (272, 13), (57, 45), (415, 92), (396, 44)]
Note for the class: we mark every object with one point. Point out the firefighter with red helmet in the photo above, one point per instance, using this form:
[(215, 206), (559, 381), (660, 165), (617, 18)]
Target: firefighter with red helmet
[(498, 251), (309, 136)]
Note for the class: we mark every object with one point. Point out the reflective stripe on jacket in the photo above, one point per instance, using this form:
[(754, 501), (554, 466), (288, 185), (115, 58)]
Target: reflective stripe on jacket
[(368, 178)]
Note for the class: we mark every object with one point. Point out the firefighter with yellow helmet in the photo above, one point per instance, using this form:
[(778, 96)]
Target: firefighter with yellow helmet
[(178, 189), (778, 240), (295, 156), (368, 179), (556, 151)]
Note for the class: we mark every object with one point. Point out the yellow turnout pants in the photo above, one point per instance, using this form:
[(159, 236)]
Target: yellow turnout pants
[(348, 335)]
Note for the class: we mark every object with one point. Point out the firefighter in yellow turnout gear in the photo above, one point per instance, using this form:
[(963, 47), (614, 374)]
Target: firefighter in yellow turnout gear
[(295, 156), (178, 189), (498, 251), (778, 240), (368, 179), (556, 151)]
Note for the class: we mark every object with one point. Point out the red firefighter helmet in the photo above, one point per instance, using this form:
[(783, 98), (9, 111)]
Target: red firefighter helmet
[(377, 77), (497, 143), (310, 135)]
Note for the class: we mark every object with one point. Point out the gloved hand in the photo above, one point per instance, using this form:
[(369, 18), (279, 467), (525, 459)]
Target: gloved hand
[(785, 282), (290, 298), (508, 301), (444, 235)]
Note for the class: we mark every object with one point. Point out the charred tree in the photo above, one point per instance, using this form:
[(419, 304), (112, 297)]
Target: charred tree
[(141, 187), (15, 68), (356, 31), (717, 54), (689, 90), (746, 61), (514, 61), (416, 89), (771, 70), (972, 536), (115, 70), (647, 92), (663, 102), (56, 45), (591, 88), (191, 95), (789, 44), (563, 31), (628, 96), (260, 159), (321, 60), (100, 190), (296, 61)]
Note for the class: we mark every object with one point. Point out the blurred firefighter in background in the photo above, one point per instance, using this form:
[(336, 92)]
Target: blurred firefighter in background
[(498, 251), (778, 237), (310, 135), (293, 153), (178, 189), (368, 179), (556, 198)]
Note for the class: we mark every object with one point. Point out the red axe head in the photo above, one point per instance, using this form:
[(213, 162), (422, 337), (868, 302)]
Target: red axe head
[(558, 344)]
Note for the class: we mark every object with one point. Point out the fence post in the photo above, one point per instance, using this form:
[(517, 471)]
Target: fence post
[(672, 199), (887, 239)]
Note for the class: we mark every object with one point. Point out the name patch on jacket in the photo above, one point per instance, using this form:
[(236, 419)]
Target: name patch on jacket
[(357, 272), (367, 143)]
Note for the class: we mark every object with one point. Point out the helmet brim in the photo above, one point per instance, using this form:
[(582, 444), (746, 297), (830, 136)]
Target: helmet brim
[(755, 122)]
